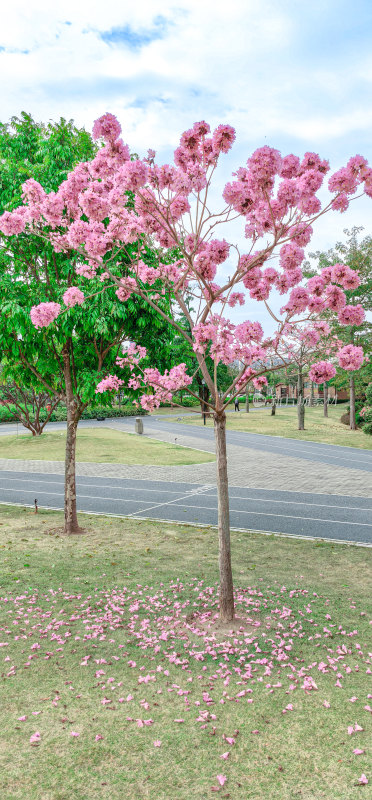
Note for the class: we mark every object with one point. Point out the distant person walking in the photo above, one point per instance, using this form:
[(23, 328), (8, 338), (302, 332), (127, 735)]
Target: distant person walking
[(236, 404)]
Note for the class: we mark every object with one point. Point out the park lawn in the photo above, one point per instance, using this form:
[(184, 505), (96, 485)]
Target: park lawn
[(318, 428), (91, 621), (103, 445)]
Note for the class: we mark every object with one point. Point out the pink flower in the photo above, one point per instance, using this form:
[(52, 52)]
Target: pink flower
[(22, 719), (12, 223), (108, 127), (35, 738), (157, 743), (74, 733), (221, 779), (73, 296), (321, 372), (225, 755), (350, 357), (363, 780), (98, 737), (358, 751), (110, 383), (351, 315), (43, 314)]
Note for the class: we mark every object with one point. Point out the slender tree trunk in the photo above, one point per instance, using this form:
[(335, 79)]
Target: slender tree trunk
[(226, 580), (71, 521), (273, 409), (325, 398), (352, 403), (300, 403), (247, 400)]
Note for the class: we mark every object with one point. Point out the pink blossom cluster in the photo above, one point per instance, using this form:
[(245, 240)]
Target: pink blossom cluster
[(73, 296), (350, 357), (107, 127), (351, 315), (259, 382), (228, 342), (111, 383), (322, 371), (43, 314), (12, 223)]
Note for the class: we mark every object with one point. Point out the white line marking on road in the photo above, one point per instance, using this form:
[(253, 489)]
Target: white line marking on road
[(299, 502), (203, 525), (264, 514), (96, 485)]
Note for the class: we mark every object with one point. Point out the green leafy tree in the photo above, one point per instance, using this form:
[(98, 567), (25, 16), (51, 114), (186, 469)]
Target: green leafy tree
[(65, 360)]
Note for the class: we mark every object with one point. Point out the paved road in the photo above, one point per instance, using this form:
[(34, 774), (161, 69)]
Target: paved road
[(333, 497), (350, 457), (334, 517)]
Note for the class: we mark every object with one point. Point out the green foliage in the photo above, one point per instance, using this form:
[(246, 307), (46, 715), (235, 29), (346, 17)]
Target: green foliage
[(31, 272), (47, 153), (91, 412)]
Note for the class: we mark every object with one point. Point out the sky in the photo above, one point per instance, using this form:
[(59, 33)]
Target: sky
[(293, 75)]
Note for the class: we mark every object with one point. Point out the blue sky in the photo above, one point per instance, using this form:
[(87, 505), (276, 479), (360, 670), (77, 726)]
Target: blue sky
[(291, 74)]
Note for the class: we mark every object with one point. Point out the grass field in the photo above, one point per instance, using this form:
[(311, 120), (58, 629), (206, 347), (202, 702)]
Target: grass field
[(102, 445), (132, 698), (317, 427)]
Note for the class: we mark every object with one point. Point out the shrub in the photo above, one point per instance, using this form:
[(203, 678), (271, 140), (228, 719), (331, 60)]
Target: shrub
[(60, 414)]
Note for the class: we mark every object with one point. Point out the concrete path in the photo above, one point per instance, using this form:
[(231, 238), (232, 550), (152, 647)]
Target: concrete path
[(324, 516), (280, 485)]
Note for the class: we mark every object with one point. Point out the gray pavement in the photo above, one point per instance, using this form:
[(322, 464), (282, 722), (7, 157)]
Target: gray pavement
[(341, 518), (278, 485)]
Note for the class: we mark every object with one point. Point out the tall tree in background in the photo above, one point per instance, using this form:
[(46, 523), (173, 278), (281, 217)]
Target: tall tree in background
[(65, 361), (356, 254)]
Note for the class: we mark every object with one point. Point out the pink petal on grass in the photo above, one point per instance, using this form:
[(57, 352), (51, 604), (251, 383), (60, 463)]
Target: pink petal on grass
[(35, 738), (326, 704), (358, 751), (179, 720), (221, 779), (98, 737), (157, 743), (363, 780), (225, 755), (22, 719), (75, 733)]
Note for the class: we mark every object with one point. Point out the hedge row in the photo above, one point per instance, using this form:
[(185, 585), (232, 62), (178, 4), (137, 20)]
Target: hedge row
[(60, 414)]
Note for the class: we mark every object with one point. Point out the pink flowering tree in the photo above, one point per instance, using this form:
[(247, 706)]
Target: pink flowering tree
[(103, 210), (349, 322), (299, 348)]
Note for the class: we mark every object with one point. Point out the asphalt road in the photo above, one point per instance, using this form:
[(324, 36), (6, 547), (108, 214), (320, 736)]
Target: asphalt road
[(350, 457), (332, 517)]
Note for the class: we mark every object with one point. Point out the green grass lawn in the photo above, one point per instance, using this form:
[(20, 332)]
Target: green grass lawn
[(95, 641), (317, 427), (103, 445)]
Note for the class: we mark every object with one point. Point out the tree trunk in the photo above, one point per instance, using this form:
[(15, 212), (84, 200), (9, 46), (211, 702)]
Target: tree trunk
[(312, 395), (226, 580), (300, 403), (247, 400), (352, 403), (325, 397), (273, 409), (71, 521)]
